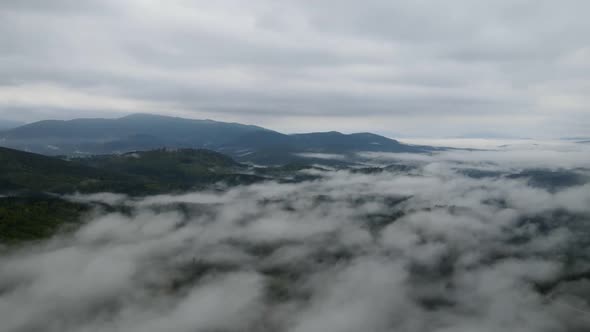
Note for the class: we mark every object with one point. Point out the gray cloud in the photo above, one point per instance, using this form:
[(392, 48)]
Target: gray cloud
[(419, 68)]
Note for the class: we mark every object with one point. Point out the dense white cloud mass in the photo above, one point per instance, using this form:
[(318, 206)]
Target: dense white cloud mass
[(426, 249), (420, 68)]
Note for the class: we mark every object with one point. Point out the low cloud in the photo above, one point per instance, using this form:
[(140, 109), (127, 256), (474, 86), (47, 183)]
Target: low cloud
[(427, 250), (329, 156), (502, 154)]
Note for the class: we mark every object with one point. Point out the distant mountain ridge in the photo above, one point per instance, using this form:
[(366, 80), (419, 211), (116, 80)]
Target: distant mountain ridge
[(164, 127), (332, 141), (145, 132)]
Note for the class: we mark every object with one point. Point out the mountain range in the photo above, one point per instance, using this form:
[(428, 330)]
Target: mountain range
[(136, 132)]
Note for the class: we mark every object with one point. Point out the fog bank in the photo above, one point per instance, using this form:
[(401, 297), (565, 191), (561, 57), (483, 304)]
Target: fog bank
[(425, 249)]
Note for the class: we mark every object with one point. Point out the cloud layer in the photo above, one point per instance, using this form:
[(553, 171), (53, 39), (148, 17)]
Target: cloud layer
[(412, 67), (427, 249)]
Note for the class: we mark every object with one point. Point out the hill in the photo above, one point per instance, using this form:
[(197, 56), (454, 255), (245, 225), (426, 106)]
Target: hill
[(174, 169), (23, 171), (321, 142), (133, 132), (83, 137), (276, 148), (137, 173), (36, 217)]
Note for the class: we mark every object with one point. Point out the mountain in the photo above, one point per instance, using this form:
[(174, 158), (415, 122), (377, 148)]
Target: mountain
[(135, 173), (322, 142), (335, 142), (29, 210), (165, 127), (137, 132), (175, 169), (23, 171), (275, 148)]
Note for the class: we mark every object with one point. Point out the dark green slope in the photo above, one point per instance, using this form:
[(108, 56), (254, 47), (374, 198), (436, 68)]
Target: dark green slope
[(29, 210), (23, 171), (36, 217), (137, 173), (174, 169), (162, 161)]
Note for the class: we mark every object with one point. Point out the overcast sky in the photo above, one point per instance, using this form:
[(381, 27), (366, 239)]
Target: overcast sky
[(402, 68)]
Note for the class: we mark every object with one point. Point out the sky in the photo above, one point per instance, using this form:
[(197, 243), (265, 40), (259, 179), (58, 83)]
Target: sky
[(505, 68)]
